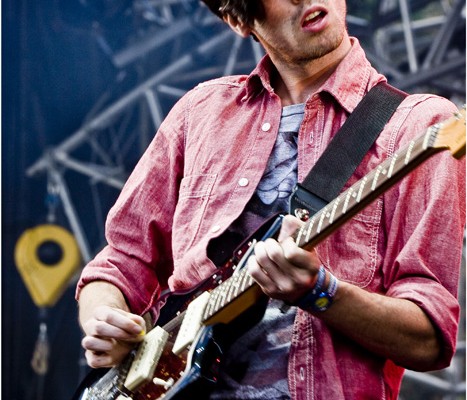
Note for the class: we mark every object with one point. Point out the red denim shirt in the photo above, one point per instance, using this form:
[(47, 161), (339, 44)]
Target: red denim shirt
[(202, 168)]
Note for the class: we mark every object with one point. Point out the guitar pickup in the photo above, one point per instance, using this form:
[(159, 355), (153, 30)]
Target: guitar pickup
[(146, 358), (191, 323)]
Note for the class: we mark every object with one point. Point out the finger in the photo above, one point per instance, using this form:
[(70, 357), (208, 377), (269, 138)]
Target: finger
[(265, 272), (134, 317), (105, 352), (300, 258), (131, 322), (289, 269), (103, 329), (290, 225), (98, 360), (104, 360), (97, 344), (255, 269), (125, 324), (266, 262), (100, 344)]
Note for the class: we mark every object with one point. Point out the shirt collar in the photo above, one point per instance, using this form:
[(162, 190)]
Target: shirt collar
[(347, 84), (352, 79), (260, 78)]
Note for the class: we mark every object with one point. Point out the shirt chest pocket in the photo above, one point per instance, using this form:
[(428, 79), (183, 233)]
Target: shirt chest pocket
[(351, 252), (194, 194)]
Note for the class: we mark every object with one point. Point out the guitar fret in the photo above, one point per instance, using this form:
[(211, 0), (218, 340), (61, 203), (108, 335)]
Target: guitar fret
[(210, 310), (241, 281), (216, 295), (431, 134), (360, 190), (247, 282), (401, 161), (233, 287), (393, 163), (350, 191), (299, 236), (311, 222), (222, 296), (229, 286), (320, 224), (334, 209), (380, 170), (409, 152)]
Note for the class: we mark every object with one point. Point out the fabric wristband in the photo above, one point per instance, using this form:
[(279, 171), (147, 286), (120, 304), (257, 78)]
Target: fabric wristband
[(319, 299)]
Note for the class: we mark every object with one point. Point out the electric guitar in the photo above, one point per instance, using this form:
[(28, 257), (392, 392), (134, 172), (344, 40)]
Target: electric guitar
[(180, 359)]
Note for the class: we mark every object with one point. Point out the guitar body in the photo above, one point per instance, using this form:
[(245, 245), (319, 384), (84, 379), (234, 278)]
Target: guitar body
[(193, 373), (196, 371)]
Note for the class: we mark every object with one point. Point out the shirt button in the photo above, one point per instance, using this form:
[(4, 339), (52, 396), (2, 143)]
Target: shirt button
[(215, 228), (243, 182), (302, 373), (266, 126)]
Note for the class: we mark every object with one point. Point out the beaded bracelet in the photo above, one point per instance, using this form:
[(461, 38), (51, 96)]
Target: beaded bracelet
[(319, 299)]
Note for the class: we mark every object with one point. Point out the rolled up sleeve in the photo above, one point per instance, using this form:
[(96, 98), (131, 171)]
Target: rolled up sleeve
[(425, 218)]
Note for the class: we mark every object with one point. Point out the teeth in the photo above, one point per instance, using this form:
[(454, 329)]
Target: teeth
[(312, 16)]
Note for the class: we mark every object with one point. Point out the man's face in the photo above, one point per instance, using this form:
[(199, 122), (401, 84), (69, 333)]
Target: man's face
[(299, 31)]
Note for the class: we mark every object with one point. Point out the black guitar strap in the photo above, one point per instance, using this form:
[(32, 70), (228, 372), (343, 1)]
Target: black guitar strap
[(346, 150)]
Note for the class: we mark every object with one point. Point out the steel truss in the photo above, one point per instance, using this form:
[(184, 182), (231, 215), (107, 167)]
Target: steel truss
[(419, 45)]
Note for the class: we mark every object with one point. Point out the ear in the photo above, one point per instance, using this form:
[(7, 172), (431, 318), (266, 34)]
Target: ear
[(237, 26)]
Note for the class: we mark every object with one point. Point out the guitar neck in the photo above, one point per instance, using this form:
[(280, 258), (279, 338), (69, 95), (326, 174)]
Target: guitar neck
[(366, 190), (449, 135)]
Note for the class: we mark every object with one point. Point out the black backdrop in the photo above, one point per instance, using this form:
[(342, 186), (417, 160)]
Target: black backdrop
[(47, 87)]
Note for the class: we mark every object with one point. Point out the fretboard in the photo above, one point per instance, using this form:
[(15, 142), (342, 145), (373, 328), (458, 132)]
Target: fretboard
[(224, 294)]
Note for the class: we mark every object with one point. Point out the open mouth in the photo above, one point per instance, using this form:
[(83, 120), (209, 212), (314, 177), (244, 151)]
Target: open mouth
[(313, 18)]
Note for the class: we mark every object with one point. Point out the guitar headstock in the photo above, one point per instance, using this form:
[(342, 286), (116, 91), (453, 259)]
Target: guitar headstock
[(451, 134)]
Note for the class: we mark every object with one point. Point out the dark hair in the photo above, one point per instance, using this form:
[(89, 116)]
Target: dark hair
[(243, 10)]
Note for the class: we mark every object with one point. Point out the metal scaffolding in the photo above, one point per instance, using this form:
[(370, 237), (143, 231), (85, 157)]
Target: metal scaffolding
[(419, 45)]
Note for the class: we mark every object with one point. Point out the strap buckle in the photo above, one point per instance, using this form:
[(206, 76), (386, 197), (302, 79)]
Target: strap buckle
[(304, 204)]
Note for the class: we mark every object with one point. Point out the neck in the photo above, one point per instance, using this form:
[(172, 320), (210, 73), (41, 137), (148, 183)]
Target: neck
[(295, 83)]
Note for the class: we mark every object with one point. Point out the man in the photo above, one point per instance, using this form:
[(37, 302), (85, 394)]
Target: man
[(226, 158)]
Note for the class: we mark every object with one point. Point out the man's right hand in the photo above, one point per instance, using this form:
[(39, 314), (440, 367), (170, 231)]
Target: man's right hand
[(111, 331), (110, 335)]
